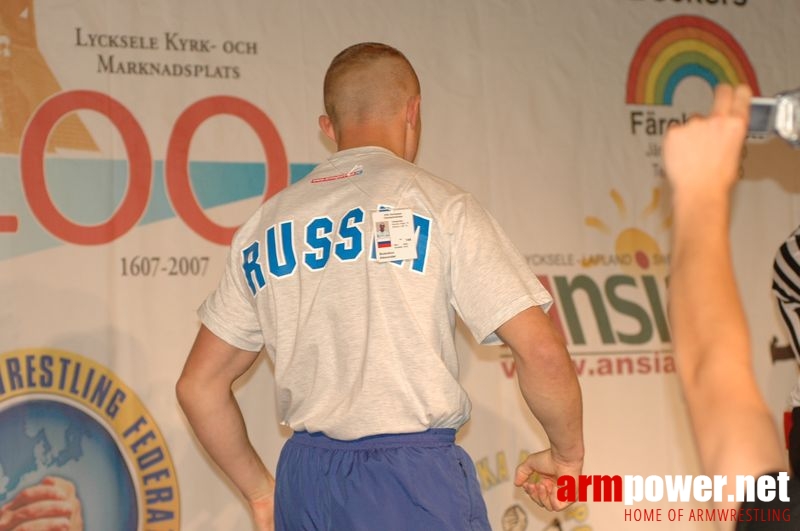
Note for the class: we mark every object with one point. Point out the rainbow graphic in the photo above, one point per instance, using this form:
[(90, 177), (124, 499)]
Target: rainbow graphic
[(681, 47)]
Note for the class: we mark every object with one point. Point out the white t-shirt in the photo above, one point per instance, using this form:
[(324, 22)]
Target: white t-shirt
[(362, 347)]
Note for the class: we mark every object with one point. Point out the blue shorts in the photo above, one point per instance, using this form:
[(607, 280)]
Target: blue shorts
[(409, 482)]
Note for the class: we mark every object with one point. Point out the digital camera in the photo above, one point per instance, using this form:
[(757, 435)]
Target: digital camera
[(776, 116)]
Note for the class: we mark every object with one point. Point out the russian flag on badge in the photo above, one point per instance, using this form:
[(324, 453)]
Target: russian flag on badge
[(384, 244)]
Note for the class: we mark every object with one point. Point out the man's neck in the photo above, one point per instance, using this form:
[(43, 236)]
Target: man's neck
[(372, 135)]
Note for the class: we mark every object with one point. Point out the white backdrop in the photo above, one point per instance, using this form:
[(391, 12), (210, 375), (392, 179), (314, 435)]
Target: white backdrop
[(525, 104)]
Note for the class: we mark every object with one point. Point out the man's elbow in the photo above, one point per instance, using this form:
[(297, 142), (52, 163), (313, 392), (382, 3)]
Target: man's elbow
[(187, 391), (550, 351)]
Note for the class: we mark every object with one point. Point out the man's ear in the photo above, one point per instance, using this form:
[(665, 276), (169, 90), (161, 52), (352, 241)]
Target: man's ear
[(412, 111), (326, 125)]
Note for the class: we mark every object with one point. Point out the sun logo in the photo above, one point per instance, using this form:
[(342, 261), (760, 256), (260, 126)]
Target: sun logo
[(635, 251)]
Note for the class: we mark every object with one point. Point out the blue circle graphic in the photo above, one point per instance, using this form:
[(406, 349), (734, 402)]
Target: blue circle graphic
[(43, 438)]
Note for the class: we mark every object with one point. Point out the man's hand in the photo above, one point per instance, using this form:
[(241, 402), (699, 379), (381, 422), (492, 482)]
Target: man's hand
[(538, 476), (52, 505), (702, 157)]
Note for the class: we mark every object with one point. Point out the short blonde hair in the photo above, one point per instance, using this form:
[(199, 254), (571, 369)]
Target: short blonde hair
[(367, 81)]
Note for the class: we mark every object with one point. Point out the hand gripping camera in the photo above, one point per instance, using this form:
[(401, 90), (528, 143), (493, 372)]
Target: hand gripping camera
[(776, 116)]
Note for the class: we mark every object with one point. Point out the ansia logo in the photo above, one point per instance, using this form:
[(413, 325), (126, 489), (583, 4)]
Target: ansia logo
[(674, 51), (69, 421), (635, 251), (611, 307)]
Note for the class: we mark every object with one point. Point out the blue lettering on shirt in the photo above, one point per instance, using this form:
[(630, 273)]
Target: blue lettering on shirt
[(318, 238), (352, 243), (422, 227), (281, 257), (283, 264), (252, 269)]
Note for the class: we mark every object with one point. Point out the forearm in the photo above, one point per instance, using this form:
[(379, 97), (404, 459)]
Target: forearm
[(701, 159), (708, 323), (547, 380), (217, 421), (551, 390), (733, 426)]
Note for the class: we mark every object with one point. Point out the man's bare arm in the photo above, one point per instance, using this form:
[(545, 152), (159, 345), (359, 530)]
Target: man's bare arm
[(550, 387), (734, 429), (204, 392)]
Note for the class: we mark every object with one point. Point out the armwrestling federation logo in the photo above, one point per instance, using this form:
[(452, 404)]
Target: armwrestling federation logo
[(69, 423)]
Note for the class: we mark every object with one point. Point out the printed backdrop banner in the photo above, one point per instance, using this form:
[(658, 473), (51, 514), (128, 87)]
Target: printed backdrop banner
[(136, 136)]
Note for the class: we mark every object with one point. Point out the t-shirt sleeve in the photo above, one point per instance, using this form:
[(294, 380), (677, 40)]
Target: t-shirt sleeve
[(229, 311), (491, 280)]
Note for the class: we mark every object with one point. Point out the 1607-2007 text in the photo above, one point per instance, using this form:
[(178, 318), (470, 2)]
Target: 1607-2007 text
[(173, 266)]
